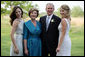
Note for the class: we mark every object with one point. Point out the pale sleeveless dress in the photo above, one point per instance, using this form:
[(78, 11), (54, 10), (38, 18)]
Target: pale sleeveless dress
[(65, 49), (18, 36)]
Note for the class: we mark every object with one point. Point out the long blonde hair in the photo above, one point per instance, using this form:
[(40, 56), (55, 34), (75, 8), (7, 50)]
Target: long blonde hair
[(66, 7)]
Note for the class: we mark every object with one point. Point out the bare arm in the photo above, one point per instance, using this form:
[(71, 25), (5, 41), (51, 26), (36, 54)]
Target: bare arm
[(15, 23), (63, 22)]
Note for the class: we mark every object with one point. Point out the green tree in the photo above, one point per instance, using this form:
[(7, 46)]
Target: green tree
[(25, 5), (58, 12), (77, 11)]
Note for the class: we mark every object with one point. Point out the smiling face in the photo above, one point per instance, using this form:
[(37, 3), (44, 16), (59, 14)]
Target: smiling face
[(63, 12), (49, 9), (18, 13), (33, 14)]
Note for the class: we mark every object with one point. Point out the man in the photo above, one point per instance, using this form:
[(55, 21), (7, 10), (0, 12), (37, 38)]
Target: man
[(50, 33)]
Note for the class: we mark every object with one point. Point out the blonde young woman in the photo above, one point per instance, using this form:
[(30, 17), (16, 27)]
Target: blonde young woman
[(64, 45)]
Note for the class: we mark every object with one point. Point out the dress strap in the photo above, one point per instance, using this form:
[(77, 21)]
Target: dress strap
[(67, 21)]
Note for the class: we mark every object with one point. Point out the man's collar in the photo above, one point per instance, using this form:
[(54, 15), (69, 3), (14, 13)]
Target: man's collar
[(50, 15)]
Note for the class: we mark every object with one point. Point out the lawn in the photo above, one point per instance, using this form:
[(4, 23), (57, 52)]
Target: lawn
[(76, 35)]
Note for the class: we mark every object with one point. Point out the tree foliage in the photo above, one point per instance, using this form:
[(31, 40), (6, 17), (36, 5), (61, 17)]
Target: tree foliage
[(25, 5), (77, 11)]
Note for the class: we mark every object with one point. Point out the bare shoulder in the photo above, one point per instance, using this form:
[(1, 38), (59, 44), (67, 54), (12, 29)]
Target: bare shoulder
[(15, 22), (63, 22)]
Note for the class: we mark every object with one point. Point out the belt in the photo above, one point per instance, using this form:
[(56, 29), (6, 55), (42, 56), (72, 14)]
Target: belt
[(20, 33)]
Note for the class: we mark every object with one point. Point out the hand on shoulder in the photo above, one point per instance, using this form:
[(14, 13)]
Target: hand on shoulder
[(16, 22)]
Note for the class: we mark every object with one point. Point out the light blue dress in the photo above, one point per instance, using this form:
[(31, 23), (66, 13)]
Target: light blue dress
[(32, 35)]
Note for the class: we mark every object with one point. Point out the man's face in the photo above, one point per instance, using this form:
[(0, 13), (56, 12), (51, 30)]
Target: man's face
[(49, 9)]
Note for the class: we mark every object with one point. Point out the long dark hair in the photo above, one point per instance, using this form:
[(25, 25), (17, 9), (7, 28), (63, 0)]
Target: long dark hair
[(13, 15)]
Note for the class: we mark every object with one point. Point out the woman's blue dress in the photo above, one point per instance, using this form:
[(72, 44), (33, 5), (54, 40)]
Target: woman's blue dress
[(32, 35)]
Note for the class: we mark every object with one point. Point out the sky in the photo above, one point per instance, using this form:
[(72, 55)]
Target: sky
[(57, 4)]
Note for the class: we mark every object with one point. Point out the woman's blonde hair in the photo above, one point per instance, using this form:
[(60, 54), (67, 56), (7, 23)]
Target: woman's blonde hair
[(66, 7)]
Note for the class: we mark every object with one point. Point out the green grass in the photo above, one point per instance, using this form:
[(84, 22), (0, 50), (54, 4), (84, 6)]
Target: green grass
[(76, 35), (5, 37), (77, 39)]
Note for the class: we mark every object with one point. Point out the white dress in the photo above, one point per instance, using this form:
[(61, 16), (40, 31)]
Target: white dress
[(65, 49), (18, 37)]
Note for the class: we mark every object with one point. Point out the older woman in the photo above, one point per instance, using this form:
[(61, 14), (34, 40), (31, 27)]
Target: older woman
[(32, 30)]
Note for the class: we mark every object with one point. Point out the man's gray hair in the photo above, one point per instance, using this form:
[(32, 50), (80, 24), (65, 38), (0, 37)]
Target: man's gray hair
[(50, 4)]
